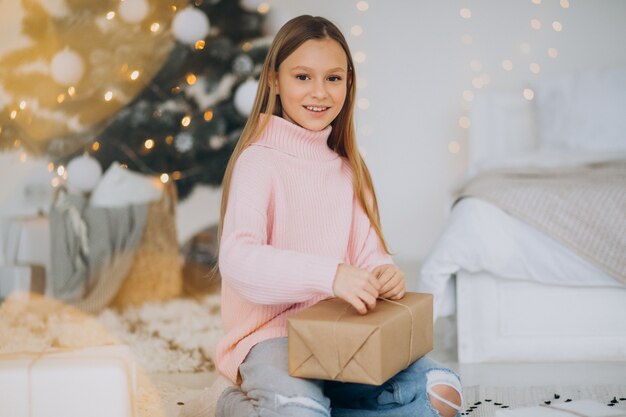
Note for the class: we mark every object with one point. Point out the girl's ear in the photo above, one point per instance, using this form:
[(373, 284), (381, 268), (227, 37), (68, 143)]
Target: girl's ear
[(273, 79)]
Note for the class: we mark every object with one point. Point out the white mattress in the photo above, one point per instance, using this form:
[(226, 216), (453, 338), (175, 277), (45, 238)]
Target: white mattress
[(481, 237)]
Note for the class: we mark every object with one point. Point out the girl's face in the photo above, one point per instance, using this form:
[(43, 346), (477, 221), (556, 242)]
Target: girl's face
[(312, 83)]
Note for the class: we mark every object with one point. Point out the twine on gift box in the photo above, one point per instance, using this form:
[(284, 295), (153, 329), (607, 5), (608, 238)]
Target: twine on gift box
[(345, 310), (41, 353)]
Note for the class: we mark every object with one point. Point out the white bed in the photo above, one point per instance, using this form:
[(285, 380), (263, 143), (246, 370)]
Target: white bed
[(519, 295)]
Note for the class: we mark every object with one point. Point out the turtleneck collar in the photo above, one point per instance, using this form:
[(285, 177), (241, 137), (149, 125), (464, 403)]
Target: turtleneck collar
[(292, 139)]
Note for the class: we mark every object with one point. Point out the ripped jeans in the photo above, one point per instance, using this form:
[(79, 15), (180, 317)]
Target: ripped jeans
[(267, 390)]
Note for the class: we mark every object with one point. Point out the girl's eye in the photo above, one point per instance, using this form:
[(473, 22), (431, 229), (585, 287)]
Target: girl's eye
[(302, 77), (334, 78)]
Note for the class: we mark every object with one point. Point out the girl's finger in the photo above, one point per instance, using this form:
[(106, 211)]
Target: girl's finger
[(368, 299), (358, 305), (391, 283)]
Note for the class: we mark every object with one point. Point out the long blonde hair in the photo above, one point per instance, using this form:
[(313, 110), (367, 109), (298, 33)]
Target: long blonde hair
[(342, 137)]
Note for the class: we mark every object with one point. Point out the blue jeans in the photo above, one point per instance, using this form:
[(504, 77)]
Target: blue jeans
[(267, 390)]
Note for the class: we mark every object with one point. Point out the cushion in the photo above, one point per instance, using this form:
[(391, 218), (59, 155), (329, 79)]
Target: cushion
[(584, 111)]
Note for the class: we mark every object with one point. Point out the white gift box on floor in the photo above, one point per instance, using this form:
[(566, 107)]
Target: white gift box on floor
[(584, 408), (23, 278), (89, 382)]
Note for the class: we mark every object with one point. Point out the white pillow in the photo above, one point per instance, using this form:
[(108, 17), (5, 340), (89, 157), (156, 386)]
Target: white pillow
[(120, 187), (585, 111)]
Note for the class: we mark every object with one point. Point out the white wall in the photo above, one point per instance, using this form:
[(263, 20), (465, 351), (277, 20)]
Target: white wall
[(416, 69)]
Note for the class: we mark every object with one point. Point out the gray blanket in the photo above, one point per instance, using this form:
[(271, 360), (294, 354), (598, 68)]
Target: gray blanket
[(92, 249), (584, 208)]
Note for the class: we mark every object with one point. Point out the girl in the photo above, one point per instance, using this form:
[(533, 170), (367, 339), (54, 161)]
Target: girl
[(300, 223)]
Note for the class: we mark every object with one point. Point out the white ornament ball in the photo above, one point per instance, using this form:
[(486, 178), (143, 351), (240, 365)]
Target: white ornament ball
[(190, 25), (83, 173), (67, 67), (133, 11), (244, 97)]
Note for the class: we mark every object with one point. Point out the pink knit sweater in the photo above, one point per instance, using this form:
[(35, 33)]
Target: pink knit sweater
[(292, 218)]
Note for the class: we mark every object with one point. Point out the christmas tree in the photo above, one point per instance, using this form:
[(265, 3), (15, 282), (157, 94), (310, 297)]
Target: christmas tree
[(162, 87)]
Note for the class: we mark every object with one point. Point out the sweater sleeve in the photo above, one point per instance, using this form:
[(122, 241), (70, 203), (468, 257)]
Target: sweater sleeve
[(365, 248), (260, 272)]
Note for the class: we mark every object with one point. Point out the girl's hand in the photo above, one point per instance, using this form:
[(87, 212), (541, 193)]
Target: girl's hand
[(391, 280), (356, 286)]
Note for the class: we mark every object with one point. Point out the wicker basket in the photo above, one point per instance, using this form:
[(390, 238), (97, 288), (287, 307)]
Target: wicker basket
[(156, 271)]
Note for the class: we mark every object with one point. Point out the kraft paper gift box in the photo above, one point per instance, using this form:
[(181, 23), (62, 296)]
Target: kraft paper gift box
[(581, 408), (89, 382), (332, 341), (22, 278)]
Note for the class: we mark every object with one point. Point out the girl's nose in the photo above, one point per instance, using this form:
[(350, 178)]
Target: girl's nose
[(319, 90)]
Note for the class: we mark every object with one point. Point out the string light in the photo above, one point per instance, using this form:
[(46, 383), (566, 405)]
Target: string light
[(465, 13), (186, 121), (22, 105), (553, 53), (169, 139), (475, 65), (208, 115), (60, 170), (17, 143), (557, 26), (485, 78), (23, 157), (525, 47), (246, 46), (176, 175), (95, 146), (536, 1), (110, 15), (535, 24), (155, 27), (360, 57), (13, 114), (534, 68), (134, 75), (564, 4), (468, 95), (263, 8), (200, 45), (164, 178), (454, 147), (71, 90), (467, 39), (356, 30), (478, 82), (60, 98), (528, 94), (464, 122), (148, 144), (173, 8), (50, 167), (55, 182), (191, 79), (108, 96), (507, 65), (362, 6)]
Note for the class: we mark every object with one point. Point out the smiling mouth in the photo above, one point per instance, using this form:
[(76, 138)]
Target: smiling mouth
[(317, 109)]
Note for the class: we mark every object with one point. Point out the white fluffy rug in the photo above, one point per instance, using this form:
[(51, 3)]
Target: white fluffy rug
[(175, 337)]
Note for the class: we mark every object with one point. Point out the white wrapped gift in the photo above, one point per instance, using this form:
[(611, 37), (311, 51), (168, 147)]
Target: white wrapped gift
[(581, 408), (22, 278), (89, 382)]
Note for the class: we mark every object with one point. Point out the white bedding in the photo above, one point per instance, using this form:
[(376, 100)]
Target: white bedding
[(481, 237)]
